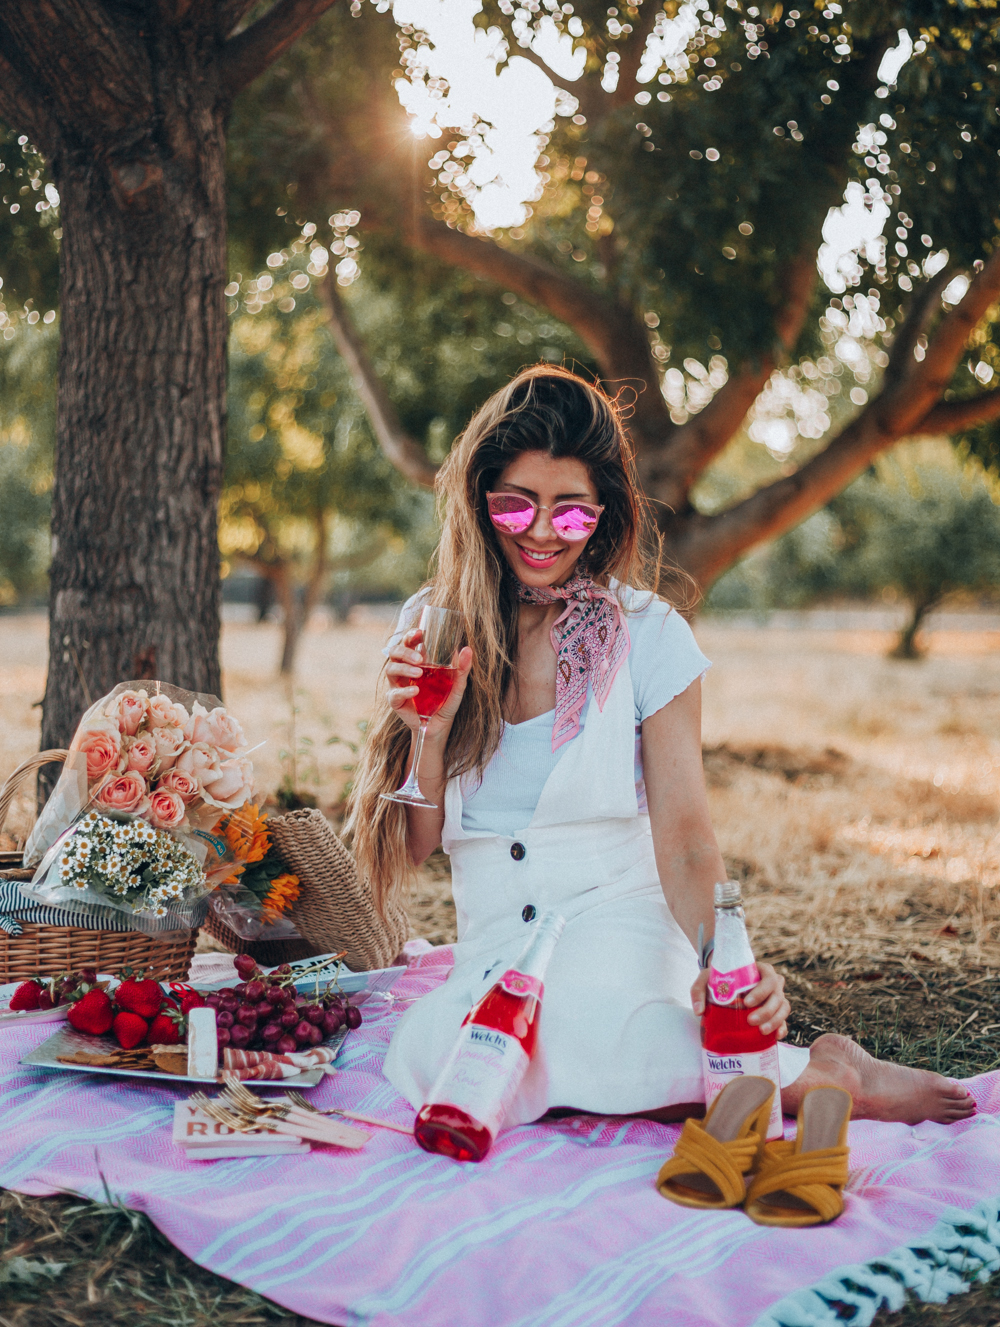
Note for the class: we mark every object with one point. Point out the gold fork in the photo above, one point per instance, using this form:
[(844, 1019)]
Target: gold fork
[(242, 1096), (247, 1102), (240, 1122), (292, 1115), (298, 1099), (301, 1101)]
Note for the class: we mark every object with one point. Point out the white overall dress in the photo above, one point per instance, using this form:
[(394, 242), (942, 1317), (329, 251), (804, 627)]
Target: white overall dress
[(617, 1033)]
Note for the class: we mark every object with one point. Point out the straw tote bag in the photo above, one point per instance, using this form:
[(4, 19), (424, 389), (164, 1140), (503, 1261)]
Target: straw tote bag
[(335, 910)]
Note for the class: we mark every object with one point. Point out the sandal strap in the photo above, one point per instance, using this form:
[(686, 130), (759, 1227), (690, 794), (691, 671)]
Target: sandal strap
[(813, 1177), (725, 1164)]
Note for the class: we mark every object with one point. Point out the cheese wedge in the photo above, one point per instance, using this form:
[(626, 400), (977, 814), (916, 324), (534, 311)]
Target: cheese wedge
[(202, 1044)]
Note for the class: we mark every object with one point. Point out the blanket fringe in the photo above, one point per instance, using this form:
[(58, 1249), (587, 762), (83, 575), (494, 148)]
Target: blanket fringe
[(962, 1249)]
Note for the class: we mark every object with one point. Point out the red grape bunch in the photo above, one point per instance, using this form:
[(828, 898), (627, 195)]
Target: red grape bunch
[(267, 1013)]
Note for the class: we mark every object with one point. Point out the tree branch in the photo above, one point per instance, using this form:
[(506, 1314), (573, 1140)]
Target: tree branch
[(632, 52), (610, 331), (380, 164), (957, 325), (250, 52), (708, 544), (668, 475), (922, 310), (231, 13), (403, 451), (956, 416), (595, 103)]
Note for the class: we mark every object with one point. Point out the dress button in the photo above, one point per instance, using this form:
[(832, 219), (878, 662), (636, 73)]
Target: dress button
[(528, 912), (517, 851)]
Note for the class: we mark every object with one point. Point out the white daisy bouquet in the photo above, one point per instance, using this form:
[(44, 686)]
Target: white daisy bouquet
[(145, 868), (135, 822)]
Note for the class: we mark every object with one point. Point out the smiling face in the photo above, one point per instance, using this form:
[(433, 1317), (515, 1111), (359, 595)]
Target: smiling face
[(538, 556)]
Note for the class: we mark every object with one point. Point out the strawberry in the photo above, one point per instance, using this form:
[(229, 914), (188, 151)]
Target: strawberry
[(138, 996), (167, 1029), (93, 1013), (191, 1000), (27, 995), (130, 1029), (184, 996)]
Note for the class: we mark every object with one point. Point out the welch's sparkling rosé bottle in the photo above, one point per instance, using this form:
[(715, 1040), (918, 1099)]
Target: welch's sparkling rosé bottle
[(731, 1044), (480, 1078)]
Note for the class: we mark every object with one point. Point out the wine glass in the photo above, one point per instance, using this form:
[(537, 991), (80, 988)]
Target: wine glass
[(442, 634)]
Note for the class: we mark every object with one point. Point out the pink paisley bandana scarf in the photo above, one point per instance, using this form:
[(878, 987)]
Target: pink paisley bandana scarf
[(591, 642)]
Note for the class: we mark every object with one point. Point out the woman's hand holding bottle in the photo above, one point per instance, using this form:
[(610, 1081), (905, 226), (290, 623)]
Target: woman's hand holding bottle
[(767, 999)]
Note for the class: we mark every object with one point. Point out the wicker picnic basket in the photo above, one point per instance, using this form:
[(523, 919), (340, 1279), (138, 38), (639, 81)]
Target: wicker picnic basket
[(50, 949), (336, 909)]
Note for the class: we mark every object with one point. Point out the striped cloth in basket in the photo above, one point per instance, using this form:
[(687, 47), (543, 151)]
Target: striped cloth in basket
[(15, 909)]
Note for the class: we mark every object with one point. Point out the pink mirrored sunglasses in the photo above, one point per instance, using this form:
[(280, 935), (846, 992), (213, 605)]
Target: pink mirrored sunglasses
[(513, 514)]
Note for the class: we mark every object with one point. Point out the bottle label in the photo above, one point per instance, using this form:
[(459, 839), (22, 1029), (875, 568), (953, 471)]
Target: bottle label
[(518, 983), (720, 1068), (482, 1075), (724, 987)]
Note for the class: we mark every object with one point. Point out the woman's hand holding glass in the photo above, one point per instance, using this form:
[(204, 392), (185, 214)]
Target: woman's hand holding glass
[(432, 662), (767, 1000), (403, 666)]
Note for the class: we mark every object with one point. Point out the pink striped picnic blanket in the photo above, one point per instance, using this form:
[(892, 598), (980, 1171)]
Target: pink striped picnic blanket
[(561, 1226)]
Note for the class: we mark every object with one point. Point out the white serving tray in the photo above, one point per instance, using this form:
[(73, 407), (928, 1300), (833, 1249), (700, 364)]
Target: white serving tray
[(360, 986), (67, 1042)]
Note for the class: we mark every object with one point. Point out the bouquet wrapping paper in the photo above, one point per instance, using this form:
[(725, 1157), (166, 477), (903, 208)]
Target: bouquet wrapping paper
[(136, 822)]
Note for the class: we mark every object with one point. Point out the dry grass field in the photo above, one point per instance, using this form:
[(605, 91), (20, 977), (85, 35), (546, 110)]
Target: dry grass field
[(856, 796)]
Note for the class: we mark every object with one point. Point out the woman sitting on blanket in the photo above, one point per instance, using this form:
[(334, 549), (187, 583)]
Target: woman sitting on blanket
[(567, 767)]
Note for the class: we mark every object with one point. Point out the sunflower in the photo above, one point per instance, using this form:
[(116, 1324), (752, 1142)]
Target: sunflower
[(283, 893)]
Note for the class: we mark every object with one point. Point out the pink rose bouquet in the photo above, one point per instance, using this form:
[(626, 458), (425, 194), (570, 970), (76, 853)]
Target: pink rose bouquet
[(149, 753), (141, 753), (127, 793), (166, 809), (101, 744)]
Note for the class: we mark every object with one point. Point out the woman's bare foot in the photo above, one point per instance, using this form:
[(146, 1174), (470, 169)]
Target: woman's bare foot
[(881, 1091)]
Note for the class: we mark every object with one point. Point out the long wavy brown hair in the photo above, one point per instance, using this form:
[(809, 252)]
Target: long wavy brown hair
[(544, 408)]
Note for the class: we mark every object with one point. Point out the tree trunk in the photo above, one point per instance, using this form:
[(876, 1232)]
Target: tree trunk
[(287, 592), (906, 646), (141, 417)]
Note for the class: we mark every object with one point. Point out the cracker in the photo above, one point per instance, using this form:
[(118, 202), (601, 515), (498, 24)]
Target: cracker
[(171, 1064)]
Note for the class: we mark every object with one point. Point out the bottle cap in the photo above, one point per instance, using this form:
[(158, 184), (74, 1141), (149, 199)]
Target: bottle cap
[(728, 894)]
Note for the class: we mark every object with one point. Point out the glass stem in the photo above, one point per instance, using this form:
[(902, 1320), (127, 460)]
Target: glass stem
[(418, 747)]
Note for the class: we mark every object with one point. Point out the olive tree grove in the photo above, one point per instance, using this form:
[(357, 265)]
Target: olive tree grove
[(687, 181)]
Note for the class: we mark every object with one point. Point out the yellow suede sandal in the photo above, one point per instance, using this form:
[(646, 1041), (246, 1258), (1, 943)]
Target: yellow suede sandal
[(714, 1154), (798, 1183)]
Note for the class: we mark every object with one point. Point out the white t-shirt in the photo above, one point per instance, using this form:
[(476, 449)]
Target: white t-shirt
[(664, 659)]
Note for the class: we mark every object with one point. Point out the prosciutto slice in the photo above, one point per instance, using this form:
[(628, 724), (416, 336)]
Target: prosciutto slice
[(316, 1055)]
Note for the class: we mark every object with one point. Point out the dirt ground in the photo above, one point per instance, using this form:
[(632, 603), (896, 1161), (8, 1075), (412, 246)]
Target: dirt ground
[(856, 797)]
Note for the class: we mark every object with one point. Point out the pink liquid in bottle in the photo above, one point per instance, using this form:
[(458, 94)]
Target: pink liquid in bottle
[(731, 1044), (480, 1078)]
